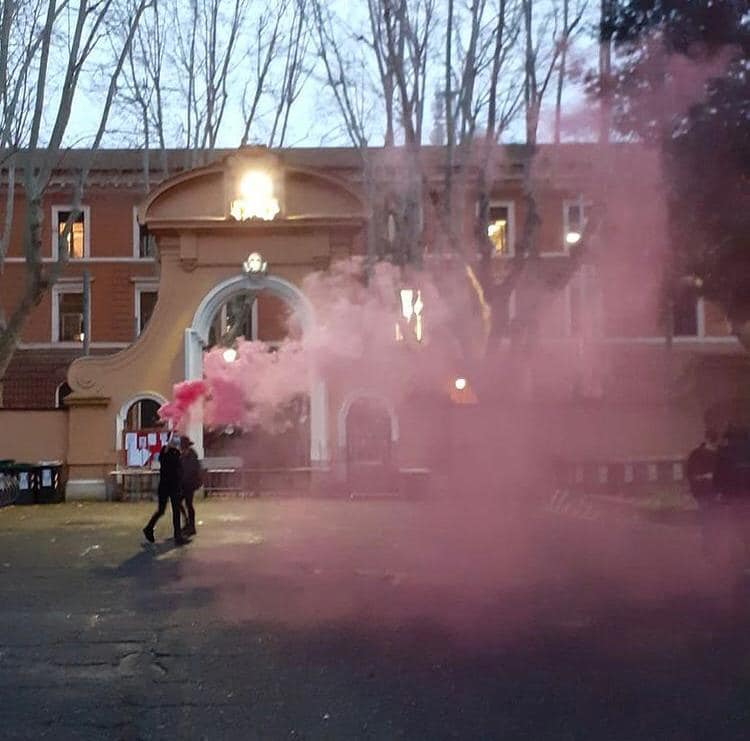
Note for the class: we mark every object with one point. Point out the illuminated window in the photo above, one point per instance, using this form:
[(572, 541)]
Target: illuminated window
[(575, 216), (77, 239), (500, 228)]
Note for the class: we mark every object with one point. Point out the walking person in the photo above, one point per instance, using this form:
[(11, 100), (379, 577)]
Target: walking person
[(170, 489), (192, 479), (732, 479), (700, 469)]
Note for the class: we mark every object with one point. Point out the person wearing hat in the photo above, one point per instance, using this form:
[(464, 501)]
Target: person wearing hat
[(170, 484), (192, 479)]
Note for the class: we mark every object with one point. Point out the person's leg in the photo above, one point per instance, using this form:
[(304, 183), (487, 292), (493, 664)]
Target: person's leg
[(176, 498), (159, 512), (189, 496)]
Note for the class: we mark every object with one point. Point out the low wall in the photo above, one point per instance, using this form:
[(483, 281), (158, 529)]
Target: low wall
[(31, 435)]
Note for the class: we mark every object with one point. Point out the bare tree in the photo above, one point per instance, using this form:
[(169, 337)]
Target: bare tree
[(541, 55), (339, 70), (483, 95), (196, 65), (206, 50), (571, 24), (295, 72), (37, 42), (144, 88)]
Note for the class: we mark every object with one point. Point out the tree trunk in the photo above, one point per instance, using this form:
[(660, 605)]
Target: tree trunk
[(34, 287)]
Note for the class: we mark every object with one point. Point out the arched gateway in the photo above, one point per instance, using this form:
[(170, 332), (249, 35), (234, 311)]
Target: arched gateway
[(197, 339), (205, 223)]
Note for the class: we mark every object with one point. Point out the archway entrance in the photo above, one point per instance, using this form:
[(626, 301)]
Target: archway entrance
[(369, 446), (241, 293), (260, 316)]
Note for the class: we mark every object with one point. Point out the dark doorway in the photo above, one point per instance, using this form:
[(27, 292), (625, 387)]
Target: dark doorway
[(368, 447)]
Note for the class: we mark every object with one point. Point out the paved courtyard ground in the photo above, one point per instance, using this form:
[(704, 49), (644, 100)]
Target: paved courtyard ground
[(322, 619)]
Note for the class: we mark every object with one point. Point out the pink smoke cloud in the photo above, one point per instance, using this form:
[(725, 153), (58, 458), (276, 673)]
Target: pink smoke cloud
[(185, 396)]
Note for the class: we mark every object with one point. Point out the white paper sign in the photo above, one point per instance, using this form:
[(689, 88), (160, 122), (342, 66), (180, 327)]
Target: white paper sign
[(46, 477), (151, 439), (134, 457), (131, 440), (23, 480)]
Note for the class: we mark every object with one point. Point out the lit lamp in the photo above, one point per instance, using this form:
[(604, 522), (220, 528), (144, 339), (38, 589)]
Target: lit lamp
[(576, 222), (255, 197), (461, 392), (229, 355)]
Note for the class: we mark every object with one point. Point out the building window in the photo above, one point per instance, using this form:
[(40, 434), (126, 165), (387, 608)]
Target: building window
[(685, 313), (575, 217), (500, 228), (67, 313), (143, 414), (145, 302), (78, 237), (144, 243)]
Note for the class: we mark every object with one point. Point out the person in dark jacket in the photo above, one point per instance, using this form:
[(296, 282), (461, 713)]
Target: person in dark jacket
[(701, 468), (170, 489), (192, 479), (732, 485)]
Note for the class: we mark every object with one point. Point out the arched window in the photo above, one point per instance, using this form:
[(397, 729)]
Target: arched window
[(142, 414), (60, 393)]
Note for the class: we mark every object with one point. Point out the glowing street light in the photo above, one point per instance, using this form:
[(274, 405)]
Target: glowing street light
[(229, 355), (460, 383)]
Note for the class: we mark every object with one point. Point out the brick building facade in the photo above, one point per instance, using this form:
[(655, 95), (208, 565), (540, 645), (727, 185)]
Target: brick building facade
[(117, 253)]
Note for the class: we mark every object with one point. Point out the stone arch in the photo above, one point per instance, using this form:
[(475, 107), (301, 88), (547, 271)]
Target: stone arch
[(343, 464), (122, 413), (196, 340), (356, 395)]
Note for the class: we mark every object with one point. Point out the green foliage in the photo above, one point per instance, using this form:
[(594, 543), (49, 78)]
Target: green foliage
[(681, 80)]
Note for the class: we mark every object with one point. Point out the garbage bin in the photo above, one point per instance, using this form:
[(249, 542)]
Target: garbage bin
[(25, 475), (50, 482), (8, 483), (38, 483)]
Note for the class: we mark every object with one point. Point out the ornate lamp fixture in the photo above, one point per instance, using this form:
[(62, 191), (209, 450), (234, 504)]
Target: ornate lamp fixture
[(253, 185)]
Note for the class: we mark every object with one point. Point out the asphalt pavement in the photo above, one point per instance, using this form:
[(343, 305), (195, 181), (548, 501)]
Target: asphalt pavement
[(369, 619)]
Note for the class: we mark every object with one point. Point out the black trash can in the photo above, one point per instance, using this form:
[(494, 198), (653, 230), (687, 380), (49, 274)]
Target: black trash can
[(25, 475), (50, 482), (8, 483)]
